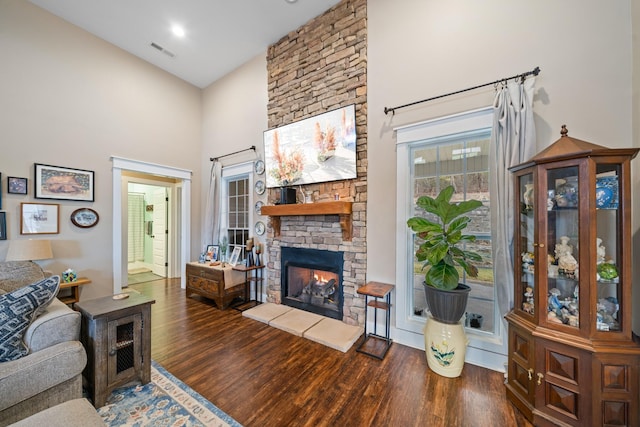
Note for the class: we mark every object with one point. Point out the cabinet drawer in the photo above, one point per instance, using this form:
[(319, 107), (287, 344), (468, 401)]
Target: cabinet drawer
[(203, 284), (206, 273)]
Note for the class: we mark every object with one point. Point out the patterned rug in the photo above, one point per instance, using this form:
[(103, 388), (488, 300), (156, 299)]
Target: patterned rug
[(165, 401)]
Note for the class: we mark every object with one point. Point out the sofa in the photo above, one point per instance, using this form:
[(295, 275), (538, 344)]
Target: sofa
[(50, 372)]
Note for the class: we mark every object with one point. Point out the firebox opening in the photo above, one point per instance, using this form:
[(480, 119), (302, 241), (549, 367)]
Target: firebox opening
[(313, 286), (312, 281)]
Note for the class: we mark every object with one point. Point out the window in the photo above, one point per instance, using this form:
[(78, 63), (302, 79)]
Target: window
[(430, 155), (461, 160), (236, 217)]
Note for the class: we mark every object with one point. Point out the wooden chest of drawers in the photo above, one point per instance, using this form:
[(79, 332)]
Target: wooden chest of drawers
[(209, 282)]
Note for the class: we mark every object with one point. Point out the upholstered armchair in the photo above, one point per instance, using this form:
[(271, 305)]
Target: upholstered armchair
[(51, 370)]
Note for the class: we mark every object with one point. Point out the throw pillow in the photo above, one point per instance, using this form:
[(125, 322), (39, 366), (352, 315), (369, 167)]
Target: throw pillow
[(18, 309)]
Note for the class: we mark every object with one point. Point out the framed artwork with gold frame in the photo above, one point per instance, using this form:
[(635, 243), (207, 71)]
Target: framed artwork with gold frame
[(39, 218)]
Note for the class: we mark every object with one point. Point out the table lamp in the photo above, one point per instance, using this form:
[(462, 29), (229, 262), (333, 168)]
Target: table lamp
[(29, 250)]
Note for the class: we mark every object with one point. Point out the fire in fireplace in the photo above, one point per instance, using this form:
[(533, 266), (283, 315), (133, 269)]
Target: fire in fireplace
[(312, 280)]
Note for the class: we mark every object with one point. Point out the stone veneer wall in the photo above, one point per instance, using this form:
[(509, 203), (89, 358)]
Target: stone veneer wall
[(320, 67)]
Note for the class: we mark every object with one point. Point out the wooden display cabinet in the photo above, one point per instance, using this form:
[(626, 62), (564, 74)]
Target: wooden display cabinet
[(572, 357)]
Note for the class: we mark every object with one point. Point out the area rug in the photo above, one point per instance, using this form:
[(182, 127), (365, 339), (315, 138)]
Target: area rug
[(165, 401), (323, 330)]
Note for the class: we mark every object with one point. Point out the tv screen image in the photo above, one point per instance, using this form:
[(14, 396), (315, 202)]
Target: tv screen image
[(321, 148)]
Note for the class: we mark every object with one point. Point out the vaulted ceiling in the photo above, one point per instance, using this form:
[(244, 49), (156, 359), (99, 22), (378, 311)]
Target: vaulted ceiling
[(219, 35)]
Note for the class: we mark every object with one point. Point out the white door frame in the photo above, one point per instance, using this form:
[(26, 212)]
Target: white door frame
[(119, 203)]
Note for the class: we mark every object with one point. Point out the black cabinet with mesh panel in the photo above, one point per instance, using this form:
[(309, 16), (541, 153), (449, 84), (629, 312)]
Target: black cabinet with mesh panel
[(117, 337)]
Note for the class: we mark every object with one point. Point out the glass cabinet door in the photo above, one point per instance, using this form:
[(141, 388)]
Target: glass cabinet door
[(525, 244), (607, 248), (562, 243)]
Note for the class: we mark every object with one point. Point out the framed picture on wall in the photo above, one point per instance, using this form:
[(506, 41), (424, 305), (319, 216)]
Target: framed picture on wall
[(235, 255), (39, 218), (16, 185), (55, 182), (3, 226)]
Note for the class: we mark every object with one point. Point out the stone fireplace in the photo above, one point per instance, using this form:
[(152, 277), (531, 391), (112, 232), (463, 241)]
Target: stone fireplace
[(317, 234), (317, 68), (312, 280)]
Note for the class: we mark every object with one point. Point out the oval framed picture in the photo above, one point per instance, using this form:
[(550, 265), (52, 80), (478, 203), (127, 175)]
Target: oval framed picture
[(84, 217), (260, 228), (260, 187), (259, 167)]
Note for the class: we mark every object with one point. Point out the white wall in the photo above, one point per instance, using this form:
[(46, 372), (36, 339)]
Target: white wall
[(70, 99), (234, 111), (418, 49)]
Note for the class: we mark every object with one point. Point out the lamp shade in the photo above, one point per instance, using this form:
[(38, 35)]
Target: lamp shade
[(29, 250)]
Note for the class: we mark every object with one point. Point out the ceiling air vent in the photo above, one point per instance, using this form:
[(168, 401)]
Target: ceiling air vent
[(163, 50)]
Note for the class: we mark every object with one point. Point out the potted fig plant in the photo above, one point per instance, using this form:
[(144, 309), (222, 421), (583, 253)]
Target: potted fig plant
[(440, 249), (444, 337)]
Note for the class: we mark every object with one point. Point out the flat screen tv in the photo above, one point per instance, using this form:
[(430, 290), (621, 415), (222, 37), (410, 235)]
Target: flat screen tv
[(317, 149)]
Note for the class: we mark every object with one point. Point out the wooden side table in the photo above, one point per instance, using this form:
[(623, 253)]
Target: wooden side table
[(75, 290), (253, 274), (117, 337), (368, 345)]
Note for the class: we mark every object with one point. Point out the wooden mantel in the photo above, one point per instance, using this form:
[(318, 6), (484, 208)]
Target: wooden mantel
[(342, 209)]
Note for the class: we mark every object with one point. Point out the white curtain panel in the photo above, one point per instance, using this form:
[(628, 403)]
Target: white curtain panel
[(513, 141), (211, 225), (135, 212)]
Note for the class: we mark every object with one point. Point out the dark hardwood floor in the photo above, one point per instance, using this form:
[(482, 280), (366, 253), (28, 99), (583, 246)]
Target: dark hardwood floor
[(262, 376)]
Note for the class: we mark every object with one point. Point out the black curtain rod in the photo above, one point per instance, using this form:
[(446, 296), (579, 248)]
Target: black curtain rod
[(534, 72), (253, 147)]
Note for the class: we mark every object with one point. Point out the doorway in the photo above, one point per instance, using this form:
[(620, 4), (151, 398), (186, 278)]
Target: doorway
[(177, 183), (147, 230)]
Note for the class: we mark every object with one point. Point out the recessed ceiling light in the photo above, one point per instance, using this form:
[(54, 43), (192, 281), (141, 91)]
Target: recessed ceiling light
[(178, 31), (291, 1)]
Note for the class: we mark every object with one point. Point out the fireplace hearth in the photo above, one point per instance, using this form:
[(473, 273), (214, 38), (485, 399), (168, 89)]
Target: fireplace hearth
[(312, 280)]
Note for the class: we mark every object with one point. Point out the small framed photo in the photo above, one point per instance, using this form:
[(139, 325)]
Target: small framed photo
[(235, 255), (3, 226), (16, 185), (55, 182), (213, 253), (39, 218)]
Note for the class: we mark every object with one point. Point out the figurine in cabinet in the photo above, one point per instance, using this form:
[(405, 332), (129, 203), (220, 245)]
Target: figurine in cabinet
[(600, 251), (567, 264), (528, 196)]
